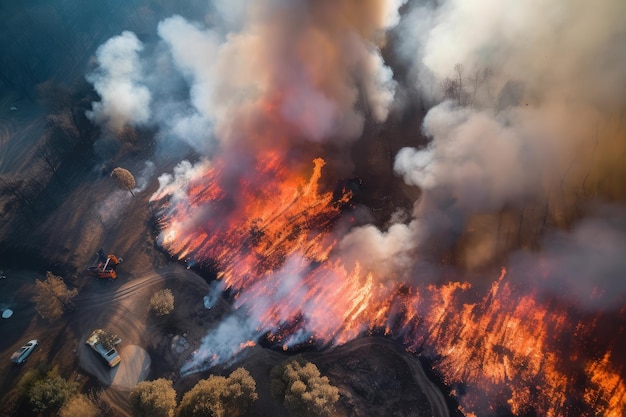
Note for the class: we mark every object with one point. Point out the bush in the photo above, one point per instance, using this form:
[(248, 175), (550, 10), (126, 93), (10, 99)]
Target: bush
[(218, 396), (78, 406), (51, 392), (153, 399), (162, 303), (302, 390), (52, 297), (29, 379)]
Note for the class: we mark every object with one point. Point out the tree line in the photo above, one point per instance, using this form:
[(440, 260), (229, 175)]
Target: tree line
[(296, 385)]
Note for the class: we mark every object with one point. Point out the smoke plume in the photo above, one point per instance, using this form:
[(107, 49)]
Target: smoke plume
[(118, 81), (524, 126), (525, 121)]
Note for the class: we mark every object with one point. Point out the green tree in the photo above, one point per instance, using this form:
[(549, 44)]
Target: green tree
[(52, 297), (29, 379), (51, 392), (124, 179), (78, 406), (162, 303), (218, 396), (302, 390), (153, 399)]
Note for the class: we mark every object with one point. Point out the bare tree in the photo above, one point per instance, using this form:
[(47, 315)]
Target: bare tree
[(454, 87), (124, 179), (480, 81), (53, 297), (50, 156), (66, 123), (464, 90)]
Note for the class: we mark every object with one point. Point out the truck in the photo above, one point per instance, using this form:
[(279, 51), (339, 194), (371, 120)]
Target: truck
[(103, 343), (104, 266)]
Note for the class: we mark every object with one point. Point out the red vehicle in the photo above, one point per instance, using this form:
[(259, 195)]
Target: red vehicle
[(104, 266)]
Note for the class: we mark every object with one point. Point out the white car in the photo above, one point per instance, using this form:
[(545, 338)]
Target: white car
[(102, 344), (24, 352)]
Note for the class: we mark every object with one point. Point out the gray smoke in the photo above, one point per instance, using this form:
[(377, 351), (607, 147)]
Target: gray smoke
[(586, 264), (527, 112), (526, 105)]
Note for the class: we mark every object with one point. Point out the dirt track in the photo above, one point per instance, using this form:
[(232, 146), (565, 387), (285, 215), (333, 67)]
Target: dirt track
[(374, 374)]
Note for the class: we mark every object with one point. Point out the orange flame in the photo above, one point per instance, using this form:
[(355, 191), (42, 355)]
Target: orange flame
[(273, 243)]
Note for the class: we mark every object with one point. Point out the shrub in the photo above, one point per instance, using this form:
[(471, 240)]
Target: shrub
[(51, 392), (78, 406), (52, 297), (162, 303), (218, 396), (153, 399), (302, 390)]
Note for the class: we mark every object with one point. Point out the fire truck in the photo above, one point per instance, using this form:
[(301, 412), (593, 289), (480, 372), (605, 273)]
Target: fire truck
[(104, 265)]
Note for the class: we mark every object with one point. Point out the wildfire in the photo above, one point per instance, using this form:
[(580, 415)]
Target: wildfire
[(273, 243)]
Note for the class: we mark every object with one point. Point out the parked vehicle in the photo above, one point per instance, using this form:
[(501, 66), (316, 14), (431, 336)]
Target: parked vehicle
[(103, 343), (104, 266), (24, 352)]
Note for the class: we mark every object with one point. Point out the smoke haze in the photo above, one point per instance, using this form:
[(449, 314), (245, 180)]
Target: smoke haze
[(524, 126)]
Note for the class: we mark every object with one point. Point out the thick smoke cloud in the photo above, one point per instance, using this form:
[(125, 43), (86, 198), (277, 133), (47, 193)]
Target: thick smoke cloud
[(296, 70), (562, 48), (526, 104), (193, 124), (303, 60), (526, 99), (118, 81)]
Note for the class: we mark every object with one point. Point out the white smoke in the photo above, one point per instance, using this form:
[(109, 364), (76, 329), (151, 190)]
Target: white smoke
[(232, 12), (390, 255), (561, 48), (118, 81), (197, 64), (226, 341), (145, 176), (297, 70), (176, 185), (485, 160), (222, 344)]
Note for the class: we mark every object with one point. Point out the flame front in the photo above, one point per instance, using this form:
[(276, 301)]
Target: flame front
[(273, 245)]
